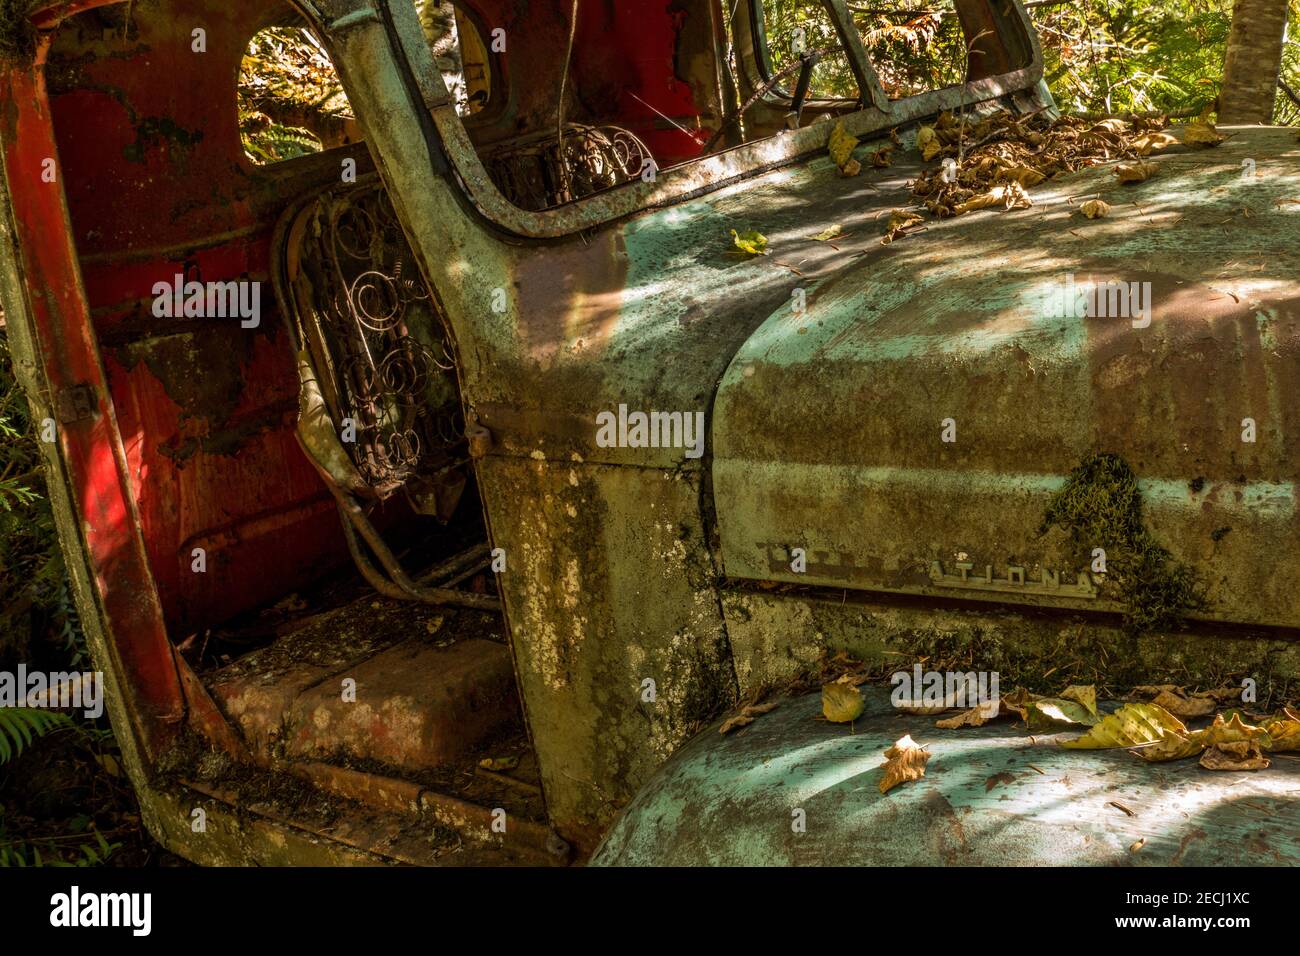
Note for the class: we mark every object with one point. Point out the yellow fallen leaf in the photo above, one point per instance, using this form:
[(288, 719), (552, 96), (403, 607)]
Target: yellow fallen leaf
[(904, 762), (750, 242), (1138, 172), (927, 143), (1095, 208), (1233, 730), (1235, 755), (1202, 135), (1085, 694), (1284, 731), (841, 145), (842, 703), (830, 232), (1149, 143), (499, 764), (1159, 734)]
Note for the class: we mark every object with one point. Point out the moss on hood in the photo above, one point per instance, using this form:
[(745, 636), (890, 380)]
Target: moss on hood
[(1100, 506)]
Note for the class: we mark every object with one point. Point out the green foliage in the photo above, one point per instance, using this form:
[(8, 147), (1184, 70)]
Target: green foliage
[(1102, 56), (81, 846), (19, 726), (286, 84), (1117, 56), (31, 567), (17, 39), (1100, 506), (273, 143)]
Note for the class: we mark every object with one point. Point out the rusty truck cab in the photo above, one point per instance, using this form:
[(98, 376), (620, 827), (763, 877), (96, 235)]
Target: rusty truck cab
[(347, 469)]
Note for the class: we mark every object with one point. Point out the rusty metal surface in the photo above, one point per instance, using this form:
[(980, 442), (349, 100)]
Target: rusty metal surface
[(614, 564), (157, 186), (48, 316), (990, 796), (778, 636)]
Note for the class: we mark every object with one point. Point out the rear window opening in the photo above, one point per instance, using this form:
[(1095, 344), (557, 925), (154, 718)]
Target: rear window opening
[(292, 103)]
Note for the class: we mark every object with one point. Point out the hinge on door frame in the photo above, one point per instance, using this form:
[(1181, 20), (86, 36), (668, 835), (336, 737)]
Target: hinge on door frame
[(75, 403)]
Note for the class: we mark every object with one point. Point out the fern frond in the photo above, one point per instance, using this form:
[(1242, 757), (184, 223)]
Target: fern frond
[(19, 726)]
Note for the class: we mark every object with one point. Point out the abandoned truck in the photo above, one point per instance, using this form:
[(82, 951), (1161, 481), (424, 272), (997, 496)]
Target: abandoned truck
[(432, 494)]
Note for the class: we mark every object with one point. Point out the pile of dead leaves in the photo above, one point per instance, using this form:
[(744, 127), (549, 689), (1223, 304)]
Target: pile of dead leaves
[(1152, 729), (991, 161), (1149, 727)]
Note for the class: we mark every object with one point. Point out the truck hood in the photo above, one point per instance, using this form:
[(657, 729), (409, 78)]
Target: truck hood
[(909, 428)]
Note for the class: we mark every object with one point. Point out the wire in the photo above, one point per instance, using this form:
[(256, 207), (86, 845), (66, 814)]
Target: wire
[(559, 115)]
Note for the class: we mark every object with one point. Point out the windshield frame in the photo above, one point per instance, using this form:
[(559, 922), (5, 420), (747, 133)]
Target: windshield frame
[(707, 173)]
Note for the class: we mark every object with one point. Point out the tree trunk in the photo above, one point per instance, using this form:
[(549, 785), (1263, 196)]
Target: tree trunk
[(1251, 65)]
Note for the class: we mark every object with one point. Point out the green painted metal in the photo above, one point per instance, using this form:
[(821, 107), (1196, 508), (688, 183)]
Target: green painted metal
[(828, 426), (991, 796)]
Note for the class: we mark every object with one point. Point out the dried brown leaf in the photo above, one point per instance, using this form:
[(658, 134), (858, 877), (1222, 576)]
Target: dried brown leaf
[(1008, 196), (1234, 755), (1138, 172), (1149, 143), (975, 717), (1095, 208), (904, 762), (900, 220), (748, 714), (1180, 705)]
